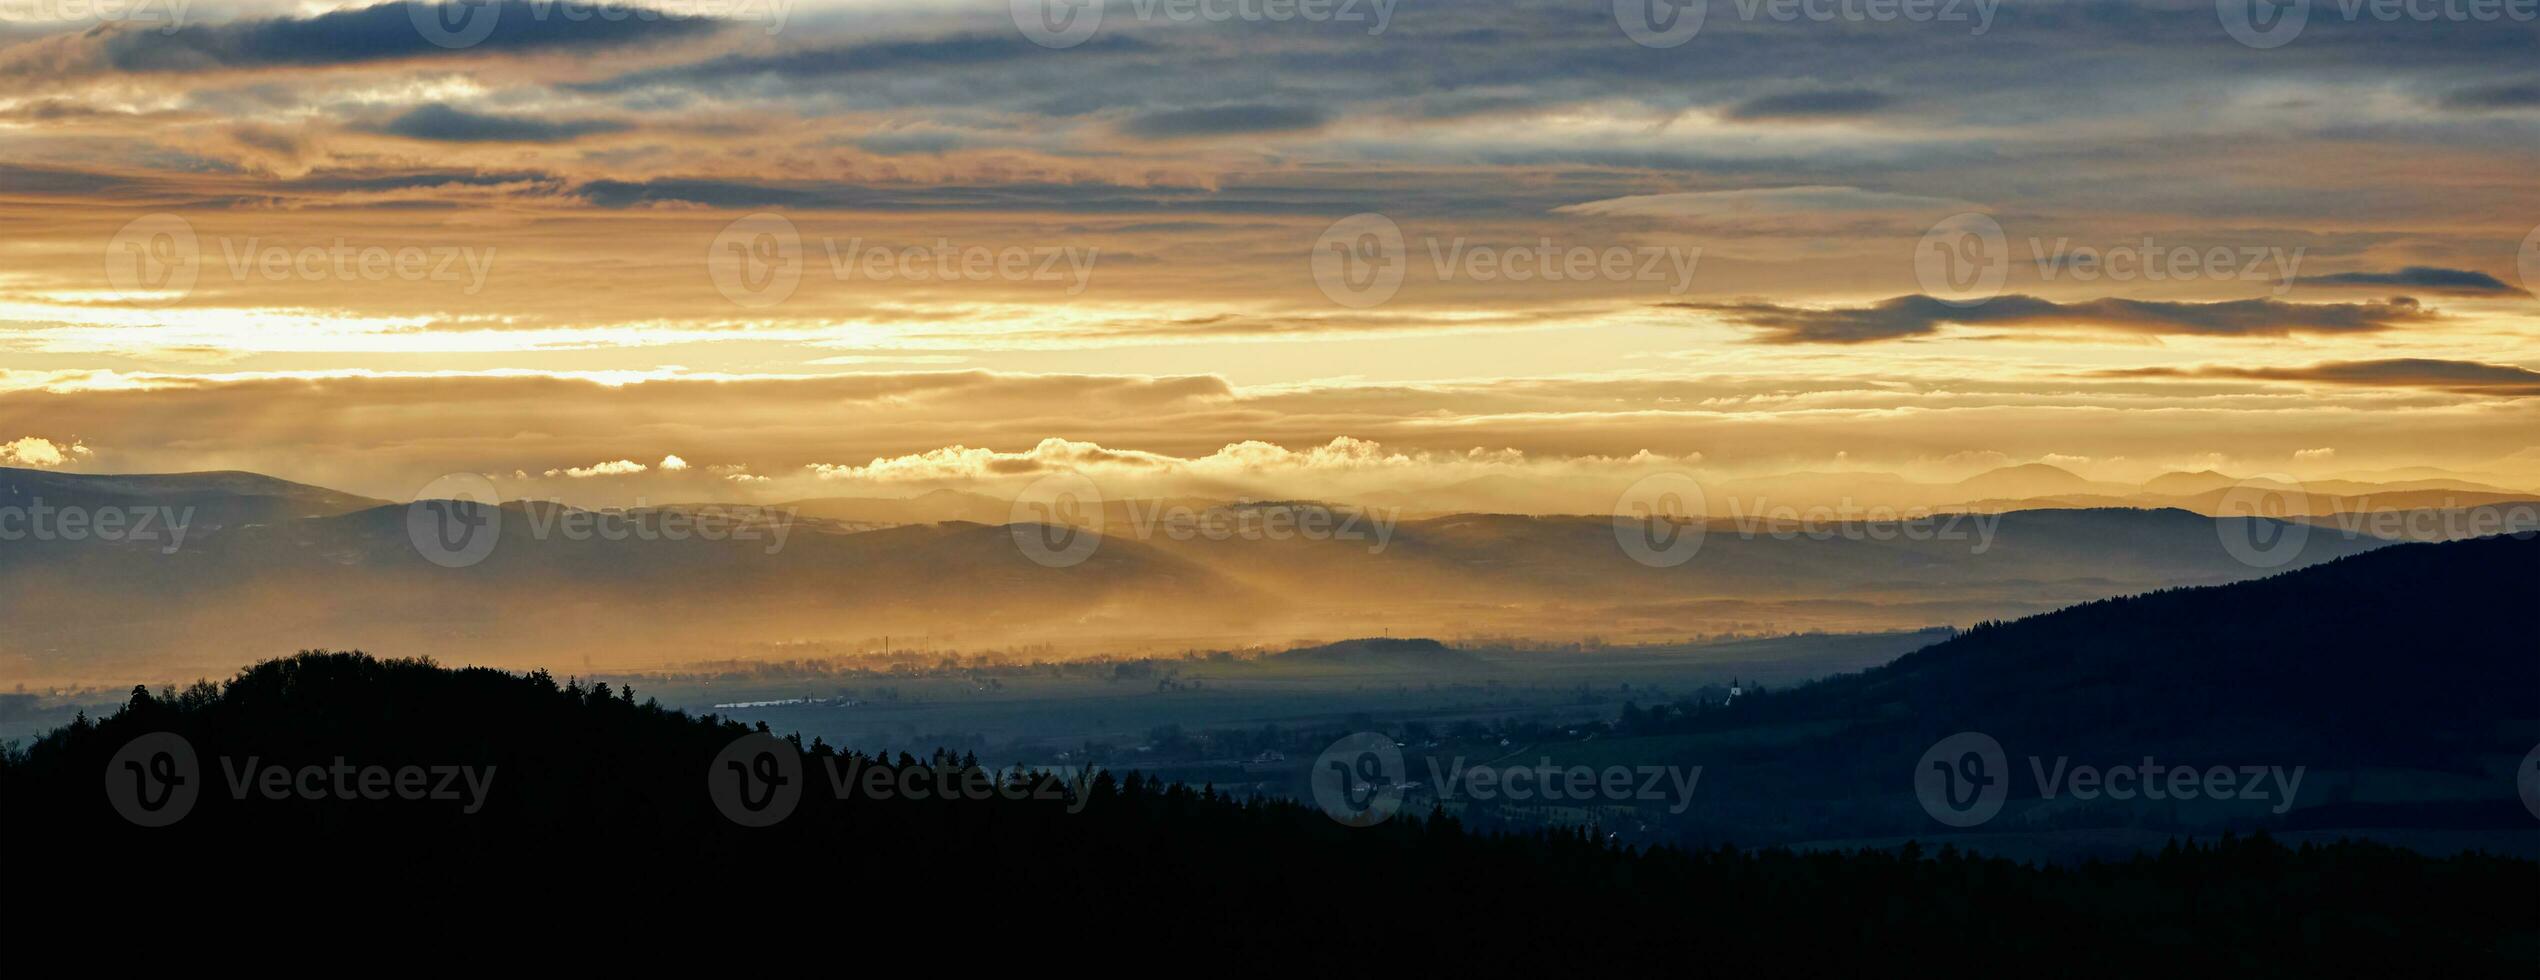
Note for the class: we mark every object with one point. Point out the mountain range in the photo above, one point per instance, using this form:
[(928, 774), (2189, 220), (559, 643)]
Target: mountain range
[(266, 563)]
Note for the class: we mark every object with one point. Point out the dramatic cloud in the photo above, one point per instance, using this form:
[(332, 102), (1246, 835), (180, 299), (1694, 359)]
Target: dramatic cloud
[(444, 124), (2504, 95), (414, 226), (1845, 203), (2459, 377), (2459, 282), (1916, 316), (621, 467), (1224, 121), (962, 52), (1811, 105), (387, 32), (39, 453)]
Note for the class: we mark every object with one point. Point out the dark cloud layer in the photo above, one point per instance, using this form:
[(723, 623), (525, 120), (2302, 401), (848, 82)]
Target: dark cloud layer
[(2501, 95), (812, 64), (1225, 121), (445, 124), (1806, 105), (387, 32), (1914, 316), (2457, 377), (2460, 282)]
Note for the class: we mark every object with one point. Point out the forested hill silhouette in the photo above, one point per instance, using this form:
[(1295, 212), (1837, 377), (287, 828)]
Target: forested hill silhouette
[(598, 804), (1385, 651), (2404, 684), (2395, 656)]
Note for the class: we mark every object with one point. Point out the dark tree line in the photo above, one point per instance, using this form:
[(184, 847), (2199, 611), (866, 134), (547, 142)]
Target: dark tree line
[(600, 809)]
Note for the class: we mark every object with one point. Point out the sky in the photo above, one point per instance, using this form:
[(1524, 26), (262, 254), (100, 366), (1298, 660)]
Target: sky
[(761, 249)]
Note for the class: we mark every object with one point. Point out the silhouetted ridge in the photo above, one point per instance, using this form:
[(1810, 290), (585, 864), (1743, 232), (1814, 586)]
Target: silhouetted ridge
[(1407, 651), (2389, 654)]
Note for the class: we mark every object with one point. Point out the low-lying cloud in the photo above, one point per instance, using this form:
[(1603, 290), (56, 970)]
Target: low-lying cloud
[(1918, 316)]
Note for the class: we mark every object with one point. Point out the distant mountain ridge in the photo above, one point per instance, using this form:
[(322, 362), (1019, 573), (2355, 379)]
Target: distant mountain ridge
[(272, 561), (218, 497)]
